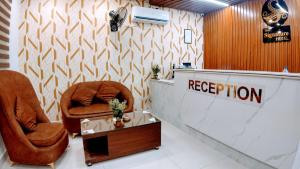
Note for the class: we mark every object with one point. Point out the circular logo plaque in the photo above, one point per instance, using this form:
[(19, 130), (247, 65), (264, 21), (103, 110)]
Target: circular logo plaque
[(275, 12)]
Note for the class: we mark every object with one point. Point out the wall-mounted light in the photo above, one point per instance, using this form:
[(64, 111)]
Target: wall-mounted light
[(216, 2)]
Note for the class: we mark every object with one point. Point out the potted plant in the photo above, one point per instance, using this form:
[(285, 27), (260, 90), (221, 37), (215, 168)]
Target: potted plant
[(155, 70), (118, 111)]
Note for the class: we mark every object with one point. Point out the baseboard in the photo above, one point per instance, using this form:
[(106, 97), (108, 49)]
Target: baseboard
[(3, 159)]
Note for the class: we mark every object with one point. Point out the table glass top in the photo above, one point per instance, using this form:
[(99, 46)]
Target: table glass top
[(103, 124)]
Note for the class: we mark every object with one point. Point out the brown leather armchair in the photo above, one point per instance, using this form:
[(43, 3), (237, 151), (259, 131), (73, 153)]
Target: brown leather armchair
[(72, 114), (52, 138)]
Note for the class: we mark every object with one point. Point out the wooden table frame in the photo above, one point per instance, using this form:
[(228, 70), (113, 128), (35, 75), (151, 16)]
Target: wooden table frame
[(121, 142)]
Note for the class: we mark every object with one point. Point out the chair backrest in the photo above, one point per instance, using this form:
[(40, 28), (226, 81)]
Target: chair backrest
[(13, 84)]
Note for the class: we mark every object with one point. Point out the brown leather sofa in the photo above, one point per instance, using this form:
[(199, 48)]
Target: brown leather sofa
[(42, 146), (72, 113)]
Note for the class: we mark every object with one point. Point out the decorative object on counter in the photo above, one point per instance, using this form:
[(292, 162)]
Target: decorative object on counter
[(187, 65), (118, 123), (173, 72), (285, 69), (155, 70), (187, 36), (118, 111), (126, 118)]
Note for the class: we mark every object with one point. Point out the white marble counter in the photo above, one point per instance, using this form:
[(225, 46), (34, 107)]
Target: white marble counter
[(170, 82), (244, 73), (268, 131), (297, 160)]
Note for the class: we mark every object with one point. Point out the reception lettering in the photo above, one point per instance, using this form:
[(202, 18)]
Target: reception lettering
[(231, 90)]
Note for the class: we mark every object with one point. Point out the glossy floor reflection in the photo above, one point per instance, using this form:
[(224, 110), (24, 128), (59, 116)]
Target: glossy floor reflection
[(178, 151)]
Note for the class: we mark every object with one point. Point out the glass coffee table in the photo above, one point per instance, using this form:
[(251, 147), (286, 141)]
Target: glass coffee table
[(103, 141)]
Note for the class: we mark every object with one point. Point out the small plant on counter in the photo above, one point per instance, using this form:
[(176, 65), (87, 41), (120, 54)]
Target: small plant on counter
[(155, 70), (117, 108)]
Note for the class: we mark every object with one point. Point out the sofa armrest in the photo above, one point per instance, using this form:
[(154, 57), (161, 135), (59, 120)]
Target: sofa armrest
[(127, 95), (66, 100)]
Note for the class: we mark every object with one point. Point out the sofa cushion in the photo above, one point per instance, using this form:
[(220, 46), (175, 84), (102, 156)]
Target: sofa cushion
[(84, 95), (46, 134), (89, 110), (107, 93), (25, 115)]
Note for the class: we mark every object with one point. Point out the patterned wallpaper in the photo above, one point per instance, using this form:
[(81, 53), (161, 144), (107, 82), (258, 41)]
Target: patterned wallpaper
[(63, 42)]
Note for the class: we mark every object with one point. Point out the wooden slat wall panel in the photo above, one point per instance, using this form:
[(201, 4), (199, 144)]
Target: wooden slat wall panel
[(5, 8), (233, 40), (192, 5)]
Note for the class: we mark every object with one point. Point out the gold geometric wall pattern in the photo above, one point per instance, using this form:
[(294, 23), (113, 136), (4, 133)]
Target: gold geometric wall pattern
[(63, 42)]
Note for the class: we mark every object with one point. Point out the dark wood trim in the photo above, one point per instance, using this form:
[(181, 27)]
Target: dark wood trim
[(3, 29), (5, 21), (5, 8), (4, 11), (4, 47), (3, 38), (6, 4), (4, 56), (4, 65)]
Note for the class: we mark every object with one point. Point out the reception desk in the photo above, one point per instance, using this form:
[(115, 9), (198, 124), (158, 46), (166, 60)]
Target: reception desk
[(255, 113)]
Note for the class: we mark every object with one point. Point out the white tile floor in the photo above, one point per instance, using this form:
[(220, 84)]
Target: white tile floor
[(178, 151)]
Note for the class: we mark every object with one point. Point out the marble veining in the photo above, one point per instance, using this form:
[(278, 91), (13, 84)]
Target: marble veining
[(297, 159), (266, 101)]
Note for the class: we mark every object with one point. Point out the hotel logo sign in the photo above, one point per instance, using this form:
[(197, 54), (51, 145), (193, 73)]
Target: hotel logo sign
[(274, 14), (243, 93)]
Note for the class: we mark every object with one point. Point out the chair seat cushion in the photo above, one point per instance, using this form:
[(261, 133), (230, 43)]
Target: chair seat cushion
[(46, 134), (89, 110)]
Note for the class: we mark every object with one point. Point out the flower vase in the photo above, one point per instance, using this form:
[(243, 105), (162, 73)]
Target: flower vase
[(119, 123), (155, 76)]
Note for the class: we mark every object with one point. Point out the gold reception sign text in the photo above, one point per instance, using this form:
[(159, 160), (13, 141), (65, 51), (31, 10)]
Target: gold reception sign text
[(232, 91)]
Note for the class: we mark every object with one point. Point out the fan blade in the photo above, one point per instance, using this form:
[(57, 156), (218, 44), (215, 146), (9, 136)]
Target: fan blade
[(122, 16), (118, 18)]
